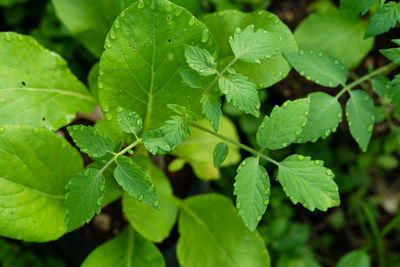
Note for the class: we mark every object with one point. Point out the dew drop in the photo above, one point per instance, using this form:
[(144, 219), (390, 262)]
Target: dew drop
[(276, 21), (86, 173), (284, 144), (205, 36), (112, 35), (178, 12), (156, 203), (140, 197), (108, 43), (300, 157), (370, 128), (119, 109), (151, 188), (316, 162), (266, 202), (117, 25), (2, 130), (327, 133), (7, 37), (262, 125), (170, 57), (36, 130), (140, 4), (259, 218), (168, 7), (301, 52), (130, 151), (108, 116), (238, 30), (257, 61), (192, 21), (329, 172)]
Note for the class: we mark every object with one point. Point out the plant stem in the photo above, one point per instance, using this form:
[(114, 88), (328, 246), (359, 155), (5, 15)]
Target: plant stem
[(220, 74), (376, 233), (242, 146), (393, 223)]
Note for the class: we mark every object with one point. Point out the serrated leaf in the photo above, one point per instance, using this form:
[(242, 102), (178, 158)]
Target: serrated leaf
[(127, 249), (211, 108), (221, 151), (36, 164), (357, 258), (392, 53), (241, 93), (284, 124), (135, 182), (175, 130), (253, 46), (91, 141), (385, 18), (210, 225), (355, 7), (308, 182), (200, 60), (360, 112), (190, 77), (318, 67), (26, 83), (155, 142), (252, 188), (324, 117), (84, 197), (129, 121)]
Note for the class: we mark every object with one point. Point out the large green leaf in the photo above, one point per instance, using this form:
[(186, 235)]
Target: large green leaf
[(308, 182), (358, 258), (32, 77), (36, 164), (213, 234), (336, 35), (144, 51), (154, 225), (223, 24), (127, 249)]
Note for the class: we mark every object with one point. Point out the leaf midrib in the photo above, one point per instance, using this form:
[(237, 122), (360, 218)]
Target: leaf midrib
[(56, 91)]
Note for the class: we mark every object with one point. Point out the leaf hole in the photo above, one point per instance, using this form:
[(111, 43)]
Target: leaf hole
[(23, 83)]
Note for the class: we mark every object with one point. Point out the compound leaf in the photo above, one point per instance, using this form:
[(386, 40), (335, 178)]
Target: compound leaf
[(392, 53), (200, 60), (221, 151), (129, 121), (384, 19), (308, 182)]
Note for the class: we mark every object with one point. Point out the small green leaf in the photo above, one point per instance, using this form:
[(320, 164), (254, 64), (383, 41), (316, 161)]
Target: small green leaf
[(325, 116), (284, 124), (176, 165), (190, 77), (129, 121), (91, 141), (392, 53), (308, 182), (84, 197), (200, 60), (175, 130), (221, 150), (384, 19), (357, 258), (135, 182), (155, 142), (211, 108), (381, 86), (252, 188), (241, 93), (360, 112), (318, 67), (355, 7), (253, 46)]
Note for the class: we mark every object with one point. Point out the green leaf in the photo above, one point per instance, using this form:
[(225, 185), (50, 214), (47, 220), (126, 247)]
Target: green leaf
[(319, 68), (84, 197), (127, 249), (89, 20), (36, 164), (129, 121), (27, 82), (252, 188), (385, 18), (143, 56), (357, 258), (381, 86), (336, 35), (308, 182), (92, 80), (221, 151), (8, 3), (223, 24), (91, 141), (392, 53), (190, 77), (253, 46), (155, 142), (284, 124), (355, 7), (324, 117), (211, 108), (176, 165), (241, 93), (200, 60), (209, 225), (175, 130), (135, 182), (394, 91), (154, 225), (360, 117)]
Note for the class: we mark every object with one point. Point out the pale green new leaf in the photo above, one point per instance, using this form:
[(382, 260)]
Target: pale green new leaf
[(211, 108), (36, 164), (252, 188), (355, 7), (241, 92), (323, 119), (145, 50), (84, 197), (220, 153), (154, 225), (200, 60), (284, 124), (127, 249), (129, 121), (308, 182), (357, 258), (135, 182), (384, 19), (91, 141), (48, 99), (210, 225), (392, 53), (360, 117), (318, 67), (253, 46), (155, 142)]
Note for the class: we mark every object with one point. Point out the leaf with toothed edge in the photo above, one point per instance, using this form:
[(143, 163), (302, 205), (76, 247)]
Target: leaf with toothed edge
[(252, 188), (84, 197), (129, 121), (385, 18), (200, 60), (308, 182)]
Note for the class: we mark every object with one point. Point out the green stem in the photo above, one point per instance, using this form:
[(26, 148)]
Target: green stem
[(220, 74), (377, 235), (392, 224)]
